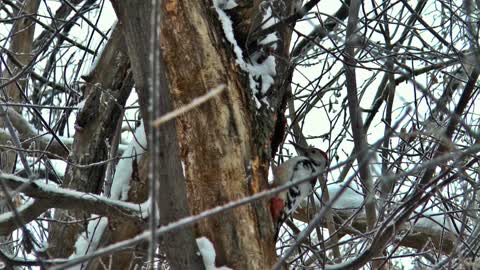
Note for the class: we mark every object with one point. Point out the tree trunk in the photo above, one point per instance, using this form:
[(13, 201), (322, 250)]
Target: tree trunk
[(166, 169), (225, 143), (216, 139), (108, 87), (21, 48)]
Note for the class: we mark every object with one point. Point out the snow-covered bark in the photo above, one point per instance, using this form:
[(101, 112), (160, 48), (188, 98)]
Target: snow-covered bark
[(261, 72), (227, 139), (124, 168), (208, 254), (88, 241)]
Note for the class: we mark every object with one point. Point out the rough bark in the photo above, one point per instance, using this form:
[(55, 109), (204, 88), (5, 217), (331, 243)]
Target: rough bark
[(108, 87), (225, 143), (171, 198), (21, 49), (134, 20), (217, 139), (21, 46), (167, 167)]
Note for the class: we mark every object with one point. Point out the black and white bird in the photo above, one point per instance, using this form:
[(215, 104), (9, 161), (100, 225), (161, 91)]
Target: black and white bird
[(310, 162)]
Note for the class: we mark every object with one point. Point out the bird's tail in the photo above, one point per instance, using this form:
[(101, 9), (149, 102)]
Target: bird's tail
[(278, 226)]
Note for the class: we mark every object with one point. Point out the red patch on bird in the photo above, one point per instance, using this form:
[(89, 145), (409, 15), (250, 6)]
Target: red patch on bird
[(276, 207)]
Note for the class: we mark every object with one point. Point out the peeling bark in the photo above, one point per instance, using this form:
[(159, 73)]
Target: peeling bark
[(224, 143), (217, 139), (162, 142)]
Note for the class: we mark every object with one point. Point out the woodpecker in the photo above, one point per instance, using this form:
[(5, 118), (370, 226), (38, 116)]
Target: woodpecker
[(310, 161)]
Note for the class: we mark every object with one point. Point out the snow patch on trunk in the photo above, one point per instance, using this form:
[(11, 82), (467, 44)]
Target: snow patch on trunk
[(88, 241), (208, 254), (260, 74), (124, 169)]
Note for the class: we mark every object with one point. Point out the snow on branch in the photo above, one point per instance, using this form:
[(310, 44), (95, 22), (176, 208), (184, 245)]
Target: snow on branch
[(52, 196), (30, 136), (190, 220), (351, 200), (435, 221)]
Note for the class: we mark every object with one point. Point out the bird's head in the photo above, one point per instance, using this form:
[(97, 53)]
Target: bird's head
[(316, 155)]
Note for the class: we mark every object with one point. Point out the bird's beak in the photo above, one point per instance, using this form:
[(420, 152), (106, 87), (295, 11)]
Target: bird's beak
[(300, 149)]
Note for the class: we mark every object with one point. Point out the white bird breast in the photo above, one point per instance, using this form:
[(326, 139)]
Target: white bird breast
[(305, 188)]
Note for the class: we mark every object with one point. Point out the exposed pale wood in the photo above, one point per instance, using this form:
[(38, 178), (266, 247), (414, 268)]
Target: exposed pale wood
[(172, 197), (224, 143), (216, 139)]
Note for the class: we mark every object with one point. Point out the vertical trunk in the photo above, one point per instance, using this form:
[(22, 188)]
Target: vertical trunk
[(21, 48), (118, 230), (109, 85), (166, 165), (169, 186), (224, 143), (218, 140)]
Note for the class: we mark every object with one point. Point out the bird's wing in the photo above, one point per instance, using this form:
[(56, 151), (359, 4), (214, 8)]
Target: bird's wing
[(284, 172)]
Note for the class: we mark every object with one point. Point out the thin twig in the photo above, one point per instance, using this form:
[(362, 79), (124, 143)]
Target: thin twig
[(181, 223), (195, 103)]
